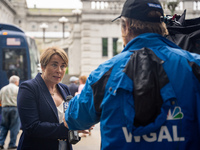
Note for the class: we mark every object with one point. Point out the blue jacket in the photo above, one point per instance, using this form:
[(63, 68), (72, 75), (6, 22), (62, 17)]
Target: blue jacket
[(39, 117), (146, 97)]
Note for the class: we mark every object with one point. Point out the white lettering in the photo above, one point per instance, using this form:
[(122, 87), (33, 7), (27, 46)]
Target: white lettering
[(175, 135), (127, 136), (137, 138), (164, 134), (152, 139), (154, 5)]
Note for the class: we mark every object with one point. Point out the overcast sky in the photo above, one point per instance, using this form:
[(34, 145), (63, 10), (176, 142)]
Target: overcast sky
[(54, 3)]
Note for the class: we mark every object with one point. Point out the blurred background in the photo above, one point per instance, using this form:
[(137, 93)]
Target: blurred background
[(83, 28)]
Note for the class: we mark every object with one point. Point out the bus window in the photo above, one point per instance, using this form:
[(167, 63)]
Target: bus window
[(14, 62), (34, 56)]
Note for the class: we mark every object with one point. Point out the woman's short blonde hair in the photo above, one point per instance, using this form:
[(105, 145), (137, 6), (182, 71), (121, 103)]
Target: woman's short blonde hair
[(137, 27), (49, 52)]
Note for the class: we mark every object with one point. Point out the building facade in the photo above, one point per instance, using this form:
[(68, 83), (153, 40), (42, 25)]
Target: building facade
[(88, 36), (7, 12)]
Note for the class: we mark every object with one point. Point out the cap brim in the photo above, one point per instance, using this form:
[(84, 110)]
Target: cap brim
[(116, 18)]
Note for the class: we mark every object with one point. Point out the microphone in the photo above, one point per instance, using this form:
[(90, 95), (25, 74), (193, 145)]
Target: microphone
[(66, 102), (72, 134)]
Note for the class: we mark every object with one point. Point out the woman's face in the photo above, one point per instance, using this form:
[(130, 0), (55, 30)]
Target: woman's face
[(54, 72)]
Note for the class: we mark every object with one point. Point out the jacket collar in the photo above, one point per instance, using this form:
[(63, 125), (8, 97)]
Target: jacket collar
[(148, 40)]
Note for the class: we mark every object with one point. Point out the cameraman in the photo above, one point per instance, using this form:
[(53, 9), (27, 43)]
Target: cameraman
[(146, 97)]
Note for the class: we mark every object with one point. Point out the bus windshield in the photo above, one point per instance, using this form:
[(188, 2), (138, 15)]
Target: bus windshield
[(34, 56), (14, 62)]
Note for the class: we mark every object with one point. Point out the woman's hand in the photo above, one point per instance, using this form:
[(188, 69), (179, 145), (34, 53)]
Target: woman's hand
[(65, 123)]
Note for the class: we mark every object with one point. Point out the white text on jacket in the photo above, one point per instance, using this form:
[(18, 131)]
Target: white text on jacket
[(164, 134)]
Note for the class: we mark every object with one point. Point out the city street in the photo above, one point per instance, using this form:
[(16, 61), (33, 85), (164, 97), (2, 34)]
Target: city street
[(91, 142)]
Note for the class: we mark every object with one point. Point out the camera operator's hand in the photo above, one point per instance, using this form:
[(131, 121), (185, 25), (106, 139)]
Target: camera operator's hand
[(86, 131), (79, 131), (83, 131)]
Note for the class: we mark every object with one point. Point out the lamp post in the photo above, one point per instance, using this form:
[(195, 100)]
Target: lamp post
[(77, 13), (43, 26), (63, 20)]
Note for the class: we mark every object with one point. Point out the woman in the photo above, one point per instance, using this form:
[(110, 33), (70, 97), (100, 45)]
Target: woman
[(82, 80), (40, 105)]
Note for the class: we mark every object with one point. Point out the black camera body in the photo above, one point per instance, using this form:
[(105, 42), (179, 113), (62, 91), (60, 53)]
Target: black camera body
[(73, 137)]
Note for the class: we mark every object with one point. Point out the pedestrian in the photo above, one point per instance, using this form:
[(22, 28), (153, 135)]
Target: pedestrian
[(82, 80), (40, 105), (10, 118), (73, 87), (146, 97)]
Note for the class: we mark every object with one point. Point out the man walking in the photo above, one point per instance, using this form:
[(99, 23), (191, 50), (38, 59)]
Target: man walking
[(73, 87), (10, 118)]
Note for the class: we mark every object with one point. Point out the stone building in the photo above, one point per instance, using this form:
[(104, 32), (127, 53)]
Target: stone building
[(90, 38), (7, 12)]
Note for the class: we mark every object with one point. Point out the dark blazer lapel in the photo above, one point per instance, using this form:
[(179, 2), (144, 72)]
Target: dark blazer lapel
[(62, 91), (46, 94)]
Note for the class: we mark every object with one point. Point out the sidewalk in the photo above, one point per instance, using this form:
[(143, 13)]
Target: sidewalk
[(91, 142), (8, 139)]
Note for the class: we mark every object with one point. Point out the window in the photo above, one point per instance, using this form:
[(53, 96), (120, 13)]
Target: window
[(196, 5), (34, 56), (104, 46), (180, 6), (14, 62), (115, 46)]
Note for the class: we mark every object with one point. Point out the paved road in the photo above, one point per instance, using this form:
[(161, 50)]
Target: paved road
[(91, 142)]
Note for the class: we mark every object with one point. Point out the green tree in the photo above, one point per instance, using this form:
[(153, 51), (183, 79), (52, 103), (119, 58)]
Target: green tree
[(172, 6)]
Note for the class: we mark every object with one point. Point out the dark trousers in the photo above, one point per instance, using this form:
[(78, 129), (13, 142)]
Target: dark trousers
[(9, 121)]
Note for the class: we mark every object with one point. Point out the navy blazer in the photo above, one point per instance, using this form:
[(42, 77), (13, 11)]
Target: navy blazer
[(39, 117)]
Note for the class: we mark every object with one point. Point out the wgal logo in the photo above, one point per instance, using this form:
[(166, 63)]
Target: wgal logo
[(163, 134)]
